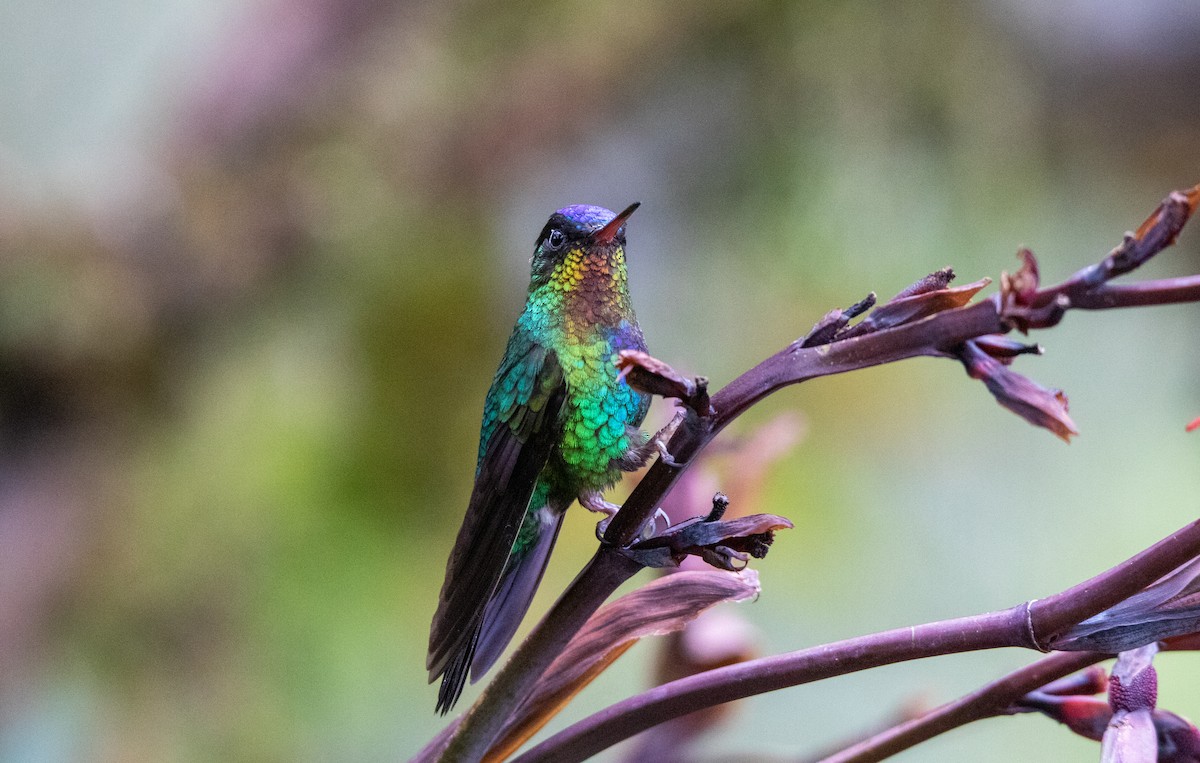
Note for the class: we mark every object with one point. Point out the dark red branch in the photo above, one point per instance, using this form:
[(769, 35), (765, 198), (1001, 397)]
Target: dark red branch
[(988, 702), (677, 698), (1145, 294), (1052, 616), (1002, 697)]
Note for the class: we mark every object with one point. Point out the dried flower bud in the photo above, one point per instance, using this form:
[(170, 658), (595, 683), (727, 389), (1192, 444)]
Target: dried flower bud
[(939, 279), (824, 330), (649, 374), (1086, 716), (1161, 228), (1020, 287), (831, 324), (719, 543), (914, 307), (1172, 213), (1039, 406), (1155, 234)]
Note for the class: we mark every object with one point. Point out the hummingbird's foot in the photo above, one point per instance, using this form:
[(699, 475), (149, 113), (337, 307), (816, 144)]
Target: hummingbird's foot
[(665, 456), (637, 457), (648, 532), (663, 436), (595, 502), (651, 528)]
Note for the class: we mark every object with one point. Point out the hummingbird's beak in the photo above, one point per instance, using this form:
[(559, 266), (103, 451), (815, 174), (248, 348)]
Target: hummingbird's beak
[(609, 232)]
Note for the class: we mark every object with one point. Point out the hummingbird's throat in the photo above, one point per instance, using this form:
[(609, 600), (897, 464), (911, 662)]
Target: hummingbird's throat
[(600, 272), (592, 284)]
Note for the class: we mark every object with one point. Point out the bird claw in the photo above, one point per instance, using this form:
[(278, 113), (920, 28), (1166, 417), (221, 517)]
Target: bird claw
[(651, 528), (602, 527), (648, 532), (664, 435), (595, 502), (665, 456)]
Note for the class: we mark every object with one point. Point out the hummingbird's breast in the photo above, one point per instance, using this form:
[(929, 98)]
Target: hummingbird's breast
[(585, 310), (600, 407)]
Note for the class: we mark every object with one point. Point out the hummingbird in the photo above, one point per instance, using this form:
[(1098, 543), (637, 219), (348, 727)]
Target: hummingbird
[(560, 424)]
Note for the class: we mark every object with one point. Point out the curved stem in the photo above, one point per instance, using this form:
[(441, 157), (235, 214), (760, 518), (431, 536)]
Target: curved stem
[(671, 700), (793, 365), (987, 702)]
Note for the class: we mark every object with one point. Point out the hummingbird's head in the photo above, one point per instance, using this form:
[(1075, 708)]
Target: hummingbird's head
[(574, 235)]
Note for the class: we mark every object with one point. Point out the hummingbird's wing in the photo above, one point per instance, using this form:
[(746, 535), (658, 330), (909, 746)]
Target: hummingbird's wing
[(526, 398)]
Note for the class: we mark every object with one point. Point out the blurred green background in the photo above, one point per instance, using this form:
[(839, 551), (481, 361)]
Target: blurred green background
[(258, 262)]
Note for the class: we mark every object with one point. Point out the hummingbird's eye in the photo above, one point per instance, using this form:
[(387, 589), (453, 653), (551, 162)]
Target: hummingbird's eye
[(555, 240)]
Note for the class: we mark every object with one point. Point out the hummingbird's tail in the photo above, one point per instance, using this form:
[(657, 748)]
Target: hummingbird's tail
[(505, 608), (514, 593), (454, 676)]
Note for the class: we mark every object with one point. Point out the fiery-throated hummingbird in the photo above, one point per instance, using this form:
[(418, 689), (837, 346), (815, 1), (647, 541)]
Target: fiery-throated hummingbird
[(559, 424)]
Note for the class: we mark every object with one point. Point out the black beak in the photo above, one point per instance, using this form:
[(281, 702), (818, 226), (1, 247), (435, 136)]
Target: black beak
[(609, 232)]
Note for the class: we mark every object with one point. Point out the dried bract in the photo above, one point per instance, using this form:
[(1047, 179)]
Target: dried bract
[(661, 606), (1039, 406)]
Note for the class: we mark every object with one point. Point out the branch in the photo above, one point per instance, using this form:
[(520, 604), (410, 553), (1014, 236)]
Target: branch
[(929, 327), (988, 702), (1024, 690), (1033, 625)]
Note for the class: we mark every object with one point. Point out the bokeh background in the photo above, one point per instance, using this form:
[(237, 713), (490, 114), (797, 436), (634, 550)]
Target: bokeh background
[(258, 262)]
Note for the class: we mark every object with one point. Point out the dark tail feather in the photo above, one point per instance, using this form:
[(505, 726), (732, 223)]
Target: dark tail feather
[(510, 601), (455, 675)]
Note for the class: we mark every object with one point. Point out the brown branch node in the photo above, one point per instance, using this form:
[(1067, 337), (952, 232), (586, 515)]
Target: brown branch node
[(648, 374)]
